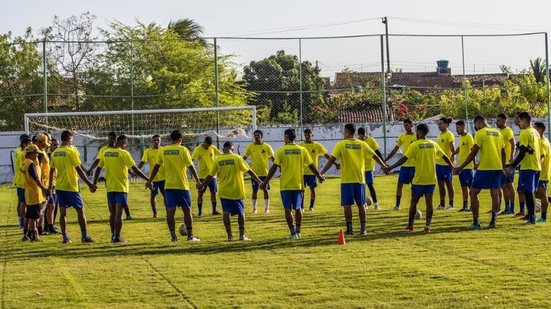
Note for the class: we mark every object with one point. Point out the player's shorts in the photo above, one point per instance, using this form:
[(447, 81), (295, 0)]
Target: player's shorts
[(527, 180), (406, 174), (444, 173), (177, 198), (120, 198), (52, 198), (33, 211), (158, 186), (543, 184), (310, 181), (68, 199), (234, 207), (292, 199), (421, 190), (505, 179), (487, 179), (352, 193), (466, 178), (21, 195), (368, 177), (212, 185), (255, 184)]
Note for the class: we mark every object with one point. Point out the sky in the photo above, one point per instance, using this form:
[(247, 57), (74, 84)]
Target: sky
[(314, 18)]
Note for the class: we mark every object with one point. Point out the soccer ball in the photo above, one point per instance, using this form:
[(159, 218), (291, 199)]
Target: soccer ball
[(368, 201), (418, 214), (183, 230), (538, 206)]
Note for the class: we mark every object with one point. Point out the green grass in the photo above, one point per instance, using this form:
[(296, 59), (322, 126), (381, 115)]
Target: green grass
[(452, 267)]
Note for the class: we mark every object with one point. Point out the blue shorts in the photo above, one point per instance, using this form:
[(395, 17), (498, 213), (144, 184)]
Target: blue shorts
[(33, 211), (177, 198), (120, 198), (368, 177), (444, 173), (292, 199), (52, 199), (21, 195), (543, 184), (255, 184), (487, 179), (234, 207), (421, 190), (466, 178), (158, 186), (527, 180), (406, 174), (212, 185), (310, 181), (505, 179), (352, 193), (68, 199)]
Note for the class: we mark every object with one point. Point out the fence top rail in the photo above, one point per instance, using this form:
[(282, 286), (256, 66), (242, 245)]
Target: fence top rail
[(142, 111)]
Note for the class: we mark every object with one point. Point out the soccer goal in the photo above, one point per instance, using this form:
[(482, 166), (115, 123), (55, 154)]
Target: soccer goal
[(221, 122)]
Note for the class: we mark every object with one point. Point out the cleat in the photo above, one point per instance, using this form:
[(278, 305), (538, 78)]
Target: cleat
[(541, 220), (363, 233), (519, 214), (426, 230), (129, 217), (311, 209), (215, 213), (298, 235), (266, 210), (524, 218), (440, 207), (53, 230), (25, 238), (244, 238), (349, 233), (230, 238), (293, 237), (449, 207), (255, 210), (200, 214), (377, 208), (530, 222), (193, 238), (155, 216), (396, 208), (408, 229), (67, 241), (463, 209), (474, 226), (492, 225), (174, 239), (87, 240)]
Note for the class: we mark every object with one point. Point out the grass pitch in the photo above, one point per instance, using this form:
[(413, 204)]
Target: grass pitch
[(452, 267)]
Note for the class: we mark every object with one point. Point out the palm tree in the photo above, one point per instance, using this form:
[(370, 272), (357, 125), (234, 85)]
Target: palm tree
[(187, 29), (538, 69)]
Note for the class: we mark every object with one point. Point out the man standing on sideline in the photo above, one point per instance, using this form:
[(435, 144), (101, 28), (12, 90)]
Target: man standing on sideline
[(444, 173), (260, 153), (150, 157), (466, 142), (508, 191), (370, 164), (204, 154)]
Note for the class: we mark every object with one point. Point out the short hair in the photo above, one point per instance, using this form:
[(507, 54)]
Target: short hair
[(479, 118), (361, 130), (34, 138), (408, 121), (65, 135), (502, 116), (259, 132), (291, 135), (540, 125), (446, 120), (525, 116), (460, 123), (156, 135), (175, 135), (112, 134), (121, 137), (423, 128), (228, 144), (22, 136), (54, 140), (208, 140), (350, 128), (24, 140), (307, 131)]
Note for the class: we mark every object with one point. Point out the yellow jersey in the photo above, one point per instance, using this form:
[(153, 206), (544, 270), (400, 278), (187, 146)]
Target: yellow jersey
[(425, 153), (404, 140), (315, 150), (545, 149), (507, 135), (444, 140), (205, 158), (150, 156), (530, 138), (369, 161), (466, 143), (230, 168), (292, 159), (44, 162), (259, 154), (490, 142), (175, 159), (65, 160), (352, 154), (19, 157), (116, 162), (33, 193)]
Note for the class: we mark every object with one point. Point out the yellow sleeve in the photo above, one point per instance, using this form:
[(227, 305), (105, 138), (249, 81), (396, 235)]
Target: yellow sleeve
[(411, 152), (400, 141), (145, 155), (214, 169), (128, 160), (270, 150), (195, 155), (278, 157), (243, 166), (248, 151), (306, 159), (187, 157), (337, 151)]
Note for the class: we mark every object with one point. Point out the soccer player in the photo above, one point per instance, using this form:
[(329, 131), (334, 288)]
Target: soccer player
[(18, 181), (260, 152), (507, 180), (51, 211), (292, 159), (67, 164), (489, 142), (425, 152), (111, 141), (150, 157), (315, 150), (175, 160), (545, 173), (117, 161), (34, 191), (230, 168), (42, 141), (352, 154), (204, 155), (444, 172), (370, 164), (407, 170), (529, 158), (466, 142)]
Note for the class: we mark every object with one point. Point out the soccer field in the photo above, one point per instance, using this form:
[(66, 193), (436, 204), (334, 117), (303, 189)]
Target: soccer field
[(452, 267)]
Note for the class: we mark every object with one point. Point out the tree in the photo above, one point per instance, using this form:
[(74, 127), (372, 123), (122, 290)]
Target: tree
[(188, 29), (538, 69)]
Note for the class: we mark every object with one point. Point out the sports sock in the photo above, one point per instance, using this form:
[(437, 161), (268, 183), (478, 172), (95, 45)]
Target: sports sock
[(213, 206), (442, 203), (65, 236), (312, 203), (522, 206), (410, 221), (475, 220), (398, 199), (266, 203), (173, 233), (254, 203), (544, 215), (512, 206), (292, 230), (428, 220), (127, 211), (84, 234), (241, 232), (21, 222), (465, 205), (229, 233), (200, 207), (349, 227), (297, 228), (494, 216), (362, 226), (451, 202), (189, 232)]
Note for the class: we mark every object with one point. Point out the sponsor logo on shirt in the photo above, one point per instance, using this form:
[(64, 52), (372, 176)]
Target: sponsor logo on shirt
[(292, 151), (353, 146), (59, 154), (171, 152), (226, 162), (426, 146), (108, 154)]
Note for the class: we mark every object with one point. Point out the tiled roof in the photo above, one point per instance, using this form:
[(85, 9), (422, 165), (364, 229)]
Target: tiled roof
[(364, 114)]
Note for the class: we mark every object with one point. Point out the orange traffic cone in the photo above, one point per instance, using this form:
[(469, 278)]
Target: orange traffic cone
[(341, 240)]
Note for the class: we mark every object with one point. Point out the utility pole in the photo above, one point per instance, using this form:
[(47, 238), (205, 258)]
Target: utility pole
[(387, 75)]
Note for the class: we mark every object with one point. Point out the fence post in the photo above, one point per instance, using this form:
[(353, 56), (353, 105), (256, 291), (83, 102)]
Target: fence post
[(464, 83), (547, 85), (132, 83), (216, 89), (45, 77), (300, 83), (383, 92)]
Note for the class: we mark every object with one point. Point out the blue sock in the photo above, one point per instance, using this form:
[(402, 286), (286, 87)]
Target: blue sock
[(213, 206), (398, 198), (65, 236), (84, 234), (200, 207), (21, 222), (312, 203), (522, 206), (512, 205)]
